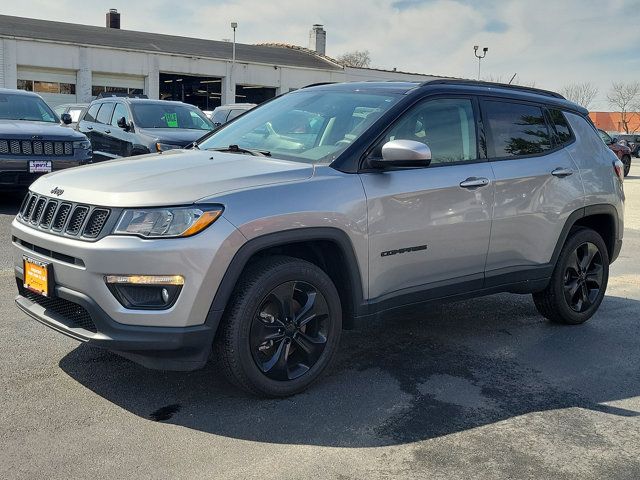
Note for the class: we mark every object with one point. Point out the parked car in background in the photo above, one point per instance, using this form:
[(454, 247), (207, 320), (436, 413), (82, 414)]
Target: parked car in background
[(622, 152), (33, 141), (226, 113), (631, 140), (73, 109), (123, 126)]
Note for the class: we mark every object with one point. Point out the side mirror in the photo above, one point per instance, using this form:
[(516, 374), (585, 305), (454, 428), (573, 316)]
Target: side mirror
[(122, 123), (66, 118), (216, 124), (403, 153), (615, 140)]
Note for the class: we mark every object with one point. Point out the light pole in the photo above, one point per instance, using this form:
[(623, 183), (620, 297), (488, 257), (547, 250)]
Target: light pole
[(480, 57), (232, 86)]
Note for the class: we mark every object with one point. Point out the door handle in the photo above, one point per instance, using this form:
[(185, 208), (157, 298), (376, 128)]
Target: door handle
[(562, 172), (89, 128), (474, 182), (107, 131)]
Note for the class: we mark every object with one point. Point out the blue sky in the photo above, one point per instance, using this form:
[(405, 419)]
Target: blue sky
[(549, 43)]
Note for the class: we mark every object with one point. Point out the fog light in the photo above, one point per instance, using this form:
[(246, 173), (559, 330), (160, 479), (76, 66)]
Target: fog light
[(145, 292)]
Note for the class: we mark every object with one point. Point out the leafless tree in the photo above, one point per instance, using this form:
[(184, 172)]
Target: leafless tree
[(625, 98), (581, 93), (356, 58)]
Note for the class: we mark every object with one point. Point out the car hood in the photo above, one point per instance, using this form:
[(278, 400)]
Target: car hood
[(176, 177), (173, 136), (26, 130)]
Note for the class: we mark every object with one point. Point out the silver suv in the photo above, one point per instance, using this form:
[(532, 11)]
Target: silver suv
[(327, 205)]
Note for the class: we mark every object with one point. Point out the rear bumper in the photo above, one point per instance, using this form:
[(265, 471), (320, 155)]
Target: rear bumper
[(163, 348)]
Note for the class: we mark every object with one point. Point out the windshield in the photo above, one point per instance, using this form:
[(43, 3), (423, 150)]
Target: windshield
[(25, 107), (305, 126), (169, 115)]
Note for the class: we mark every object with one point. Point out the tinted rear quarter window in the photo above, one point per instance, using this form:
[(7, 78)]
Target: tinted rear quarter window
[(562, 130), (515, 129), (90, 116)]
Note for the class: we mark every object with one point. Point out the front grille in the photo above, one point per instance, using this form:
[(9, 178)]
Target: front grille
[(63, 218), (36, 147), (69, 313), (77, 219), (47, 216), (37, 211), (95, 223)]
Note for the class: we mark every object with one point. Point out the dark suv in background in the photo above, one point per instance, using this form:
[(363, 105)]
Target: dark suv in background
[(123, 126), (33, 141)]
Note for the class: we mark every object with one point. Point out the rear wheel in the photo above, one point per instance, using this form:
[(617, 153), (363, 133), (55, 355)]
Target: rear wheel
[(579, 280), (281, 329), (626, 160)]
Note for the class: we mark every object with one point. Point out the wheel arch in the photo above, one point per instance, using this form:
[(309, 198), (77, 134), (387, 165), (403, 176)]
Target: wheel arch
[(328, 248), (602, 218)]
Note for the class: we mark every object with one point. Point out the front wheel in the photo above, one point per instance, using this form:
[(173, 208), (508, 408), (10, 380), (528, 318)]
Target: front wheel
[(579, 280), (281, 329), (626, 161)]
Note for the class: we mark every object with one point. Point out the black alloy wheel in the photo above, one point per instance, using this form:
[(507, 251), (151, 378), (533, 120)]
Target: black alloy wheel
[(289, 332), (583, 277), (281, 329), (579, 280)]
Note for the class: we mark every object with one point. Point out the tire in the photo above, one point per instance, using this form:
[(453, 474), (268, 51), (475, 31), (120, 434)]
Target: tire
[(571, 276), (271, 345), (626, 160)]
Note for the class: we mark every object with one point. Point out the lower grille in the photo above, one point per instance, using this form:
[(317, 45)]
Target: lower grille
[(69, 313)]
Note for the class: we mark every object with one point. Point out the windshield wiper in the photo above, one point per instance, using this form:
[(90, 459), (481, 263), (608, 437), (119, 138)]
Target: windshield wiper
[(237, 149)]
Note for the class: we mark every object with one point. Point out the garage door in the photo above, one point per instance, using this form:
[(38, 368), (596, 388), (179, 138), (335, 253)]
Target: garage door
[(55, 86), (110, 83)]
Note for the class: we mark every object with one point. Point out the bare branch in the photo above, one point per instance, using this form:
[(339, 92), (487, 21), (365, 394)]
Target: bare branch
[(625, 98), (356, 58), (581, 93)]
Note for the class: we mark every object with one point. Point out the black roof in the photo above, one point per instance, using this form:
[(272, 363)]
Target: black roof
[(460, 85), (154, 42)]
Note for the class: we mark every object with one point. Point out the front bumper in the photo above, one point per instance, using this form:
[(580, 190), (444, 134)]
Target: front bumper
[(162, 348), (14, 171), (82, 307)]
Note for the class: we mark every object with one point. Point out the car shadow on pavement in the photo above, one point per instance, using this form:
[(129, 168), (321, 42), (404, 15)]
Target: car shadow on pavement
[(419, 374)]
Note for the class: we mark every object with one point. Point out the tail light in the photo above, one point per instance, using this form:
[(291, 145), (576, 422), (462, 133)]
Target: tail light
[(618, 168)]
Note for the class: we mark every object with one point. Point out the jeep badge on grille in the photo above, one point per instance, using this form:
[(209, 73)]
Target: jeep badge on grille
[(57, 191)]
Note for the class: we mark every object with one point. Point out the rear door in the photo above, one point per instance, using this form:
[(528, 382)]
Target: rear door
[(537, 187), (429, 227), (102, 131)]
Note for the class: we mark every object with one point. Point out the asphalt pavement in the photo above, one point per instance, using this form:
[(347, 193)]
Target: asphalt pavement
[(484, 388)]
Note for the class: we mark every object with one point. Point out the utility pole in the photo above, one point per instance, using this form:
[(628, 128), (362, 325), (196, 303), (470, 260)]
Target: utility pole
[(232, 86), (480, 57)]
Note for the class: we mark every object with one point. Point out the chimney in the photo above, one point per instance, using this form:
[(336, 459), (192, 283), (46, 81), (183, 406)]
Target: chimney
[(113, 19), (318, 39)]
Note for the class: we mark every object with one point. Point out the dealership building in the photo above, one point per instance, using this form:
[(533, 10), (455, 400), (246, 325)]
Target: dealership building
[(69, 63)]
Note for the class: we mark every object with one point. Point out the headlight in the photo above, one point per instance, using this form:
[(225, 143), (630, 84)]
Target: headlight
[(162, 147), (82, 145), (167, 222)]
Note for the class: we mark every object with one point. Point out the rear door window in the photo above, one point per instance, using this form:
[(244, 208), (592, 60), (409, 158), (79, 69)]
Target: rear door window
[(104, 114), (90, 116), (515, 129)]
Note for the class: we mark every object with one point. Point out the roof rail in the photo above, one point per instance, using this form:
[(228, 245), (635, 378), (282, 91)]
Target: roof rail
[(480, 83), (121, 95), (318, 84)]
